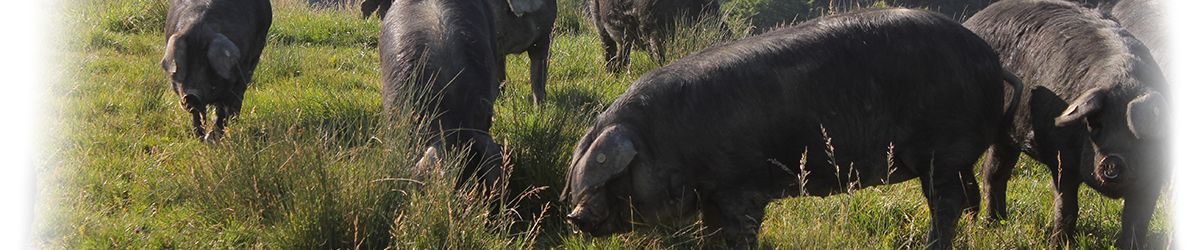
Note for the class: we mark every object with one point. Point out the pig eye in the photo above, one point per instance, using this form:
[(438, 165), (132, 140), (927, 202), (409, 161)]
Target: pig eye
[(177, 76)]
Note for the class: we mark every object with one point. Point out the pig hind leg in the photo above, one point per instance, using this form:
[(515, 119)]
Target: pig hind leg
[(997, 169), (945, 180), (738, 215)]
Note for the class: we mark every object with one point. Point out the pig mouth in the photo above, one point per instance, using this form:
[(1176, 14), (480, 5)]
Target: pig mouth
[(605, 229), (596, 226)]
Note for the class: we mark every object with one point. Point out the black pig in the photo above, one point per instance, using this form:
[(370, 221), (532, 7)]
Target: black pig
[(212, 49), (625, 23), (444, 51), (1144, 19), (521, 26), (1095, 110), (525, 26), (898, 93)]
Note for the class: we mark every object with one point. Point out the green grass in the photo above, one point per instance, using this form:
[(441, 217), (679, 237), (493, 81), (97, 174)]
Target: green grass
[(312, 164)]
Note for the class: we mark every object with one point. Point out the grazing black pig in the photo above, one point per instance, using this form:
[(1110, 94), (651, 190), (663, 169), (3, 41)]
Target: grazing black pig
[(1095, 110), (522, 26), (439, 56), (898, 94)]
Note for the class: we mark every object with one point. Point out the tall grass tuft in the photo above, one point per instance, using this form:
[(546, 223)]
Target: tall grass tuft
[(764, 15), (691, 36), (438, 216), (139, 16), (298, 22), (573, 18)]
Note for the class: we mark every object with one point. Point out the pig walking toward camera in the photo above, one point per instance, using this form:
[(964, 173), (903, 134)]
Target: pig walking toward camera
[(1094, 113), (212, 49), (898, 93)]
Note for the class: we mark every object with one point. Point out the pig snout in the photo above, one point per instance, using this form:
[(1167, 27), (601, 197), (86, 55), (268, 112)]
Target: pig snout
[(581, 220), (1111, 168)]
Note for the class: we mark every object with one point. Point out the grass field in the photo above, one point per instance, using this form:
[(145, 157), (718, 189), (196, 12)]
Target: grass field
[(311, 163)]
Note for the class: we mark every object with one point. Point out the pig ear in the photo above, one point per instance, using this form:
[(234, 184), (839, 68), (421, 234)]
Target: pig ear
[(522, 7), (222, 55), (608, 156), (580, 149), (1147, 115), (1089, 103), (168, 60)]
